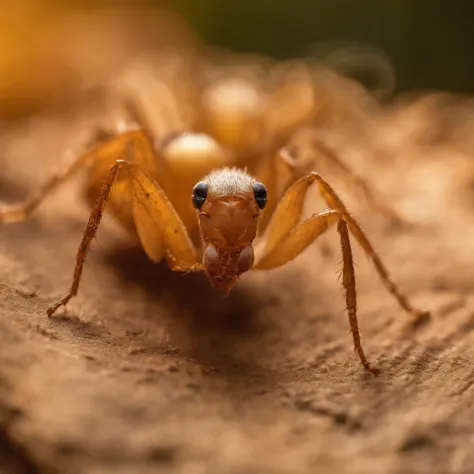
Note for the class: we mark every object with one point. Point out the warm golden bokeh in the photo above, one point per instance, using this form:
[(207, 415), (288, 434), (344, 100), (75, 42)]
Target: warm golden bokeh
[(52, 52)]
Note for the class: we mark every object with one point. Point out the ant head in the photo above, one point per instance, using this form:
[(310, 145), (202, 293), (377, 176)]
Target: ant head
[(229, 203)]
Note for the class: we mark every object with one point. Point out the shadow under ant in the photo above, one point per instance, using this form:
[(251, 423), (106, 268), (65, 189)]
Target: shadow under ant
[(211, 325)]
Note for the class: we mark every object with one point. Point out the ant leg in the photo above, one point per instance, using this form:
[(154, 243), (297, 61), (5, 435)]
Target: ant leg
[(96, 156), (277, 176), (91, 229), (288, 213), (335, 202), (302, 235), (349, 284), (21, 211), (154, 217)]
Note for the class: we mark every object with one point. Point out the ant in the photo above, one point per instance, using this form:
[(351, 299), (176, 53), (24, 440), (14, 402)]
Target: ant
[(218, 225)]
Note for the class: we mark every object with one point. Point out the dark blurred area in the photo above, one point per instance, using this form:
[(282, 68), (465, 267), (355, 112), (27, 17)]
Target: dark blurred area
[(428, 42), (52, 50)]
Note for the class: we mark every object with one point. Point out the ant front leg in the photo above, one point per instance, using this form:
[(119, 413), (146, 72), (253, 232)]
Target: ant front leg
[(159, 227), (288, 213), (291, 243), (286, 238)]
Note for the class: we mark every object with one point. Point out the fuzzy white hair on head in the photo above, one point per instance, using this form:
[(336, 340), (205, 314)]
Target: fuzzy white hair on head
[(229, 182)]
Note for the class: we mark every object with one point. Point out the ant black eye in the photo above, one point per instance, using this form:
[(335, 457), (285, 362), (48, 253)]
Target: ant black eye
[(199, 194), (260, 192)]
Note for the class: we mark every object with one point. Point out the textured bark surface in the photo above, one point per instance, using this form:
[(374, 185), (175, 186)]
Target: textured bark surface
[(151, 371)]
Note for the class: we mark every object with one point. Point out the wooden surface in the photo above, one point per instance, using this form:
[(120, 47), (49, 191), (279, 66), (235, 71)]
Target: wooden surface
[(149, 371)]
